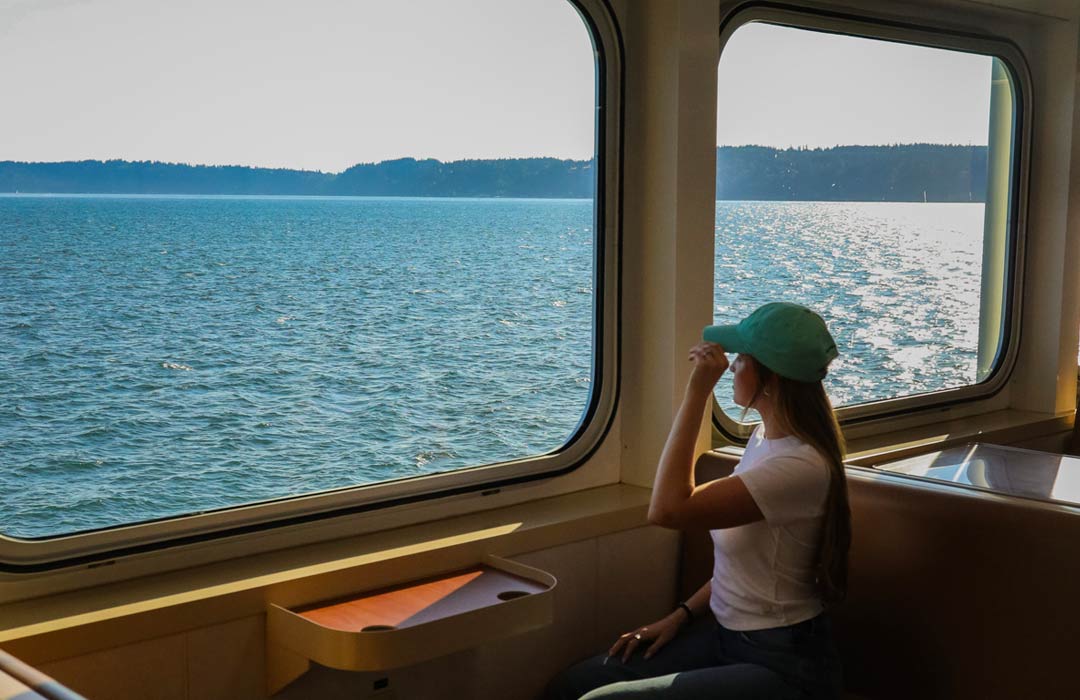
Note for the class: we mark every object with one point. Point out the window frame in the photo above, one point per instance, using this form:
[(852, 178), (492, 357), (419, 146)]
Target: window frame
[(727, 431), (19, 556)]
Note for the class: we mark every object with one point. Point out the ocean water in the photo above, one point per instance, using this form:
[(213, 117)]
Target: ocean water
[(161, 356), (897, 282), (167, 355)]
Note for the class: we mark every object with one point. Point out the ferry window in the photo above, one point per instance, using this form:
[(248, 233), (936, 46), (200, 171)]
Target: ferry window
[(251, 250), (869, 180)]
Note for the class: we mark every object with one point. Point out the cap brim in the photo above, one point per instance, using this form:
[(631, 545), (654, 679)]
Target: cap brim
[(726, 336)]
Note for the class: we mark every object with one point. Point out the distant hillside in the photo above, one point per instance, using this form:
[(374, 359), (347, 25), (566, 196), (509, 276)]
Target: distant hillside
[(518, 177), (846, 173), (521, 177), (853, 173)]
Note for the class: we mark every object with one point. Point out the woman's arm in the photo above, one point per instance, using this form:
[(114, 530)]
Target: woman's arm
[(677, 502), (699, 602)]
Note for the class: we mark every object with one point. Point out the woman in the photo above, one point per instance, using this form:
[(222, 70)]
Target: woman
[(780, 526)]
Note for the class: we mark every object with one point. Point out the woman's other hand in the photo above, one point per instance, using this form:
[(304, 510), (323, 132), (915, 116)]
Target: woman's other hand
[(658, 633), (710, 363)]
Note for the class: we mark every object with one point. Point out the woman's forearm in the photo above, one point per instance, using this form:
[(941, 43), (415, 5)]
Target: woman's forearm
[(699, 602), (674, 476)]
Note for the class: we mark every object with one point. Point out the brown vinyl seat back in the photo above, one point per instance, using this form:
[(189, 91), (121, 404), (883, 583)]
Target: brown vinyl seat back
[(953, 593)]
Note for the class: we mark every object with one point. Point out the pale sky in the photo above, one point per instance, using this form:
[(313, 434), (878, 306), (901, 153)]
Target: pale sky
[(785, 87), (326, 84), (318, 84)]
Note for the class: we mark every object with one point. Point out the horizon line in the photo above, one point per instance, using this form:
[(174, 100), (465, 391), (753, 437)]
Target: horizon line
[(465, 160)]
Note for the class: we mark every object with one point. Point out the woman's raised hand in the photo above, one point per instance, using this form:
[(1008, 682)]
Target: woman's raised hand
[(710, 362), (659, 633)]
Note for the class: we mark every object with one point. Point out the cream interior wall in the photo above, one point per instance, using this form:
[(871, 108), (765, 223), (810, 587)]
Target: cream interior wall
[(671, 50), (1071, 289), (1044, 379), (604, 582)]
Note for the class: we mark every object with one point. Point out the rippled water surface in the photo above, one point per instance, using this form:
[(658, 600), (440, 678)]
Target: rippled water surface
[(167, 355), (898, 284)]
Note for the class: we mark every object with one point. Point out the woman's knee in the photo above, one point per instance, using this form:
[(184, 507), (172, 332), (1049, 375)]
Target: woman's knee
[(577, 680), (620, 690)]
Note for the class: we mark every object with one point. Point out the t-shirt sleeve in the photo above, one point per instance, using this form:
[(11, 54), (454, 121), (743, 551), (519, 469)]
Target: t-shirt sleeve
[(787, 489)]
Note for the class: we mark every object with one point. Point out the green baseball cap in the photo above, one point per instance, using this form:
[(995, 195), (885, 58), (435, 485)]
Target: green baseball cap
[(789, 339)]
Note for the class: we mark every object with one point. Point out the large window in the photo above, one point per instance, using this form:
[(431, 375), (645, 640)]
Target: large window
[(253, 251), (872, 181)]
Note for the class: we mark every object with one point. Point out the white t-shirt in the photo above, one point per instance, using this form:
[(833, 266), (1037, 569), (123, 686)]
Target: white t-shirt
[(763, 574)]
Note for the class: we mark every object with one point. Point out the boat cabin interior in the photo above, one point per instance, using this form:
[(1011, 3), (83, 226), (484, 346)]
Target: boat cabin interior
[(965, 499)]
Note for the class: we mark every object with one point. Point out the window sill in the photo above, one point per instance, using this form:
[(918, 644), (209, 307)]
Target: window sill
[(1002, 427), (78, 622), (998, 427)]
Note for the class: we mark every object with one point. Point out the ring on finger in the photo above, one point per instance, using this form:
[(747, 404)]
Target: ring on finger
[(637, 637)]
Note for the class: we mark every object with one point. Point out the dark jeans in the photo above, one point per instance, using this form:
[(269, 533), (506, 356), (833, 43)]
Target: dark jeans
[(707, 660)]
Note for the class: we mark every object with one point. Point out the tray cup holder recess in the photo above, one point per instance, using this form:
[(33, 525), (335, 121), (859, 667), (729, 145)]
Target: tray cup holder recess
[(378, 628), (510, 595)]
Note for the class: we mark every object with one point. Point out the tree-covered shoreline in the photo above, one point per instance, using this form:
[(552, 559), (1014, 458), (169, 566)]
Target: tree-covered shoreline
[(904, 173), (901, 173)]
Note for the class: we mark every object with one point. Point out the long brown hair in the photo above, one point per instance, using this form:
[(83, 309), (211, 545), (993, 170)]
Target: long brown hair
[(804, 410)]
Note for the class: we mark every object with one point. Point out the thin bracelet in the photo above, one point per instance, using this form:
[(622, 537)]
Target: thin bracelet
[(689, 612)]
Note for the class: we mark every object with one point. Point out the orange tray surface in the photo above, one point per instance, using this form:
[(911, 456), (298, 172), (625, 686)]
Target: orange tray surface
[(419, 602)]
